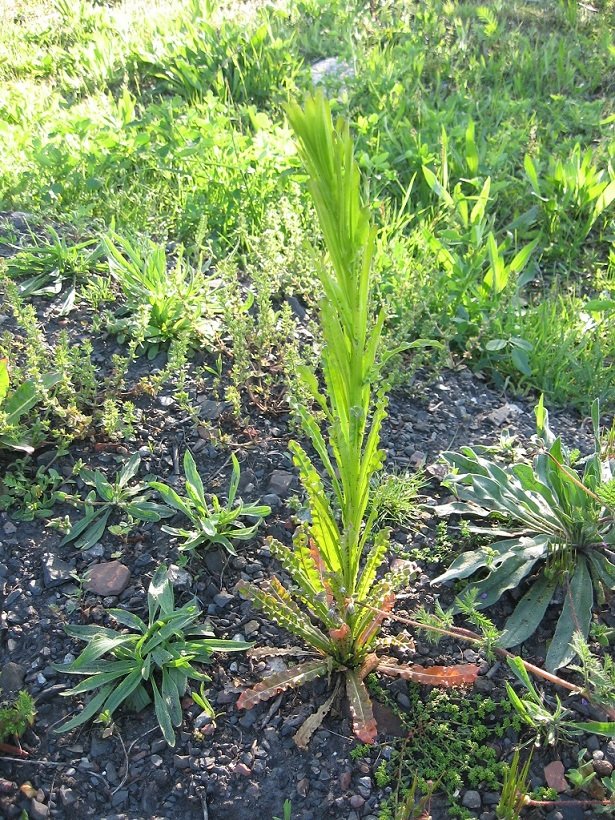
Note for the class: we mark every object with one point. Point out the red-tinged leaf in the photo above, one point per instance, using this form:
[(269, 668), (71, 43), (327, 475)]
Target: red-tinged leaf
[(363, 721), (369, 664), (276, 684), (463, 674), (322, 569), (14, 751), (339, 634), (373, 626)]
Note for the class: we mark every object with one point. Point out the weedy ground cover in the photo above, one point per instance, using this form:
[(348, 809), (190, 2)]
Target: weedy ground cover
[(194, 272)]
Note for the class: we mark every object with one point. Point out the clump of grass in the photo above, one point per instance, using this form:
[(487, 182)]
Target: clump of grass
[(396, 496)]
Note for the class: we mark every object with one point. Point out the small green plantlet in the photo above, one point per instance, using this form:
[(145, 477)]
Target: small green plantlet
[(556, 527), (44, 268), (601, 633), (599, 675), (395, 497), (154, 659), (549, 725), (287, 808), (27, 494), (213, 522), (581, 776), (17, 716), (359, 751), (17, 403), (162, 305), (515, 788), (106, 497)]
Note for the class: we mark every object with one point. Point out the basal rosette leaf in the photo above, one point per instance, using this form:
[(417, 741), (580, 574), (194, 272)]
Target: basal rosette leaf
[(363, 721), (276, 684), (464, 674)]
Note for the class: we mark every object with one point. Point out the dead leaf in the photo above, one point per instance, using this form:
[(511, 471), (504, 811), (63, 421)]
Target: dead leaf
[(363, 722), (28, 790), (303, 736), (269, 651), (276, 684), (554, 775), (463, 674)]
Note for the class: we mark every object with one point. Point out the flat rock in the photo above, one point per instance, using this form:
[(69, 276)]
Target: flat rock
[(471, 800), (108, 579), (55, 571), (211, 410), (554, 775), (11, 677), (280, 482), (180, 578)]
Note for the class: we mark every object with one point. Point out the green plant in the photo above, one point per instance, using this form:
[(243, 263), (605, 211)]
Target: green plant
[(153, 659), (163, 305), (395, 497), (28, 494), (548, 725), (553, 524), (573, 195), (581, 776), (447, 748), (16, 404), (515, 787), (213, 523), (17, 716), (287, 808), (48, 265), (339, 590), (106, 497), (598, 674)]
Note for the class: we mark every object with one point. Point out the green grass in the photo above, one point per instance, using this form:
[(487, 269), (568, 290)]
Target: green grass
[(170, 125)]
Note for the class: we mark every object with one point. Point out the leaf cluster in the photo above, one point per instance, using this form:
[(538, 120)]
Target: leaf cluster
[(554, 525), (15, 717), (153, 659), (163, 303), (550, 725), (14, 404), (213, 522), (106, 497)]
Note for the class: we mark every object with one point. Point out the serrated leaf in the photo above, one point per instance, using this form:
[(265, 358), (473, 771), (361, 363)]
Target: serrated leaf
[(278, 683), (464, 674), (363, 722)]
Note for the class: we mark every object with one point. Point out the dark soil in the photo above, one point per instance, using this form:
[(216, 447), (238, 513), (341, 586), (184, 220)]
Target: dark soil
[(250, 763)]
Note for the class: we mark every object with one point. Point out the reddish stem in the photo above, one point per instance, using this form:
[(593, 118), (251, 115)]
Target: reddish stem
[(12, 750), (530, 802)]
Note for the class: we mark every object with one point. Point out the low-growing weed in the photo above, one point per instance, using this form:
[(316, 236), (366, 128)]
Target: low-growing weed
[(153, 659), (549, 724), (553, 521), (105, 498), (447, 744), (212, 523), (28, 493), (44, 268), (17, 716), (396, 497), (163, 305)]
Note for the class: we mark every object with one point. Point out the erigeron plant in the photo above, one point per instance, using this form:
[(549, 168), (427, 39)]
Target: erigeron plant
[(336, 602)]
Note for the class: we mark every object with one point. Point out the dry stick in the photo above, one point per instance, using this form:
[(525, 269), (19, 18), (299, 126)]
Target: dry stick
[(531, 802), (468, 635)]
